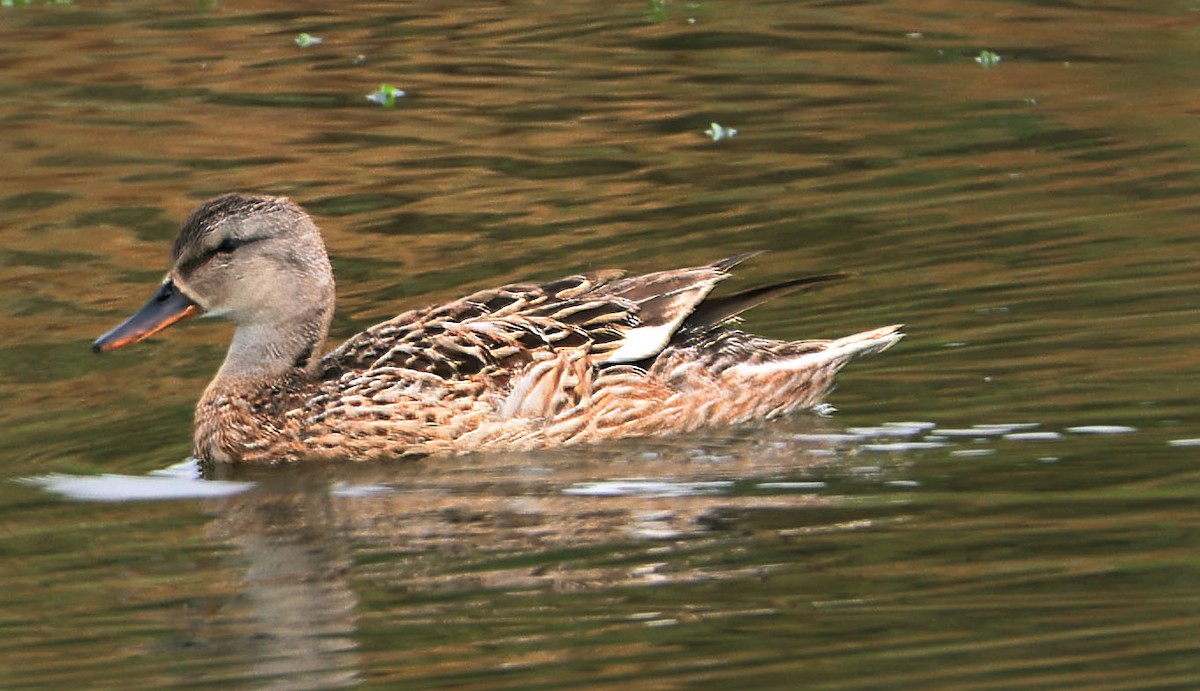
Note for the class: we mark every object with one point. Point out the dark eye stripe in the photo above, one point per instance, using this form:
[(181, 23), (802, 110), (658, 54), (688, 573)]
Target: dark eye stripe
[(228, 245)]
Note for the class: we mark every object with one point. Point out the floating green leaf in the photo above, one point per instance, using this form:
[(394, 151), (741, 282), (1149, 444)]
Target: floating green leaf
[(658, 10), (717, 132), (306, 40), (987, 58), (386, 95)]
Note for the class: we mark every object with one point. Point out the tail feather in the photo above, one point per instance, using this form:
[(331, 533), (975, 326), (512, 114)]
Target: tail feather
[(836, 353), (716, 311), (869, 342), (728, 263)]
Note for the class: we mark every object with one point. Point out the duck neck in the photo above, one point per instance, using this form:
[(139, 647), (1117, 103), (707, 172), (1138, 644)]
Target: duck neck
[(265, 354)]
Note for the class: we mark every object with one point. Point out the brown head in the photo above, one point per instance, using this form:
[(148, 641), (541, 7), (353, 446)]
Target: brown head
[(257, 261)]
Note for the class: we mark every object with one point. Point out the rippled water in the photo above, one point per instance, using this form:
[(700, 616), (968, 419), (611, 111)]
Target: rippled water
[(1007, 499)]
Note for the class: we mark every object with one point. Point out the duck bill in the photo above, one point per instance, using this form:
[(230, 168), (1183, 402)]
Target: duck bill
[(168, 306)]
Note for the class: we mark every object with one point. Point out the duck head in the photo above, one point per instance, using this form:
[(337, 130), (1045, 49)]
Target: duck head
[(257, 261)]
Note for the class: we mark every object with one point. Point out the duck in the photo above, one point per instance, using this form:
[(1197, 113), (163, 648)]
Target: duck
[(587, 358)]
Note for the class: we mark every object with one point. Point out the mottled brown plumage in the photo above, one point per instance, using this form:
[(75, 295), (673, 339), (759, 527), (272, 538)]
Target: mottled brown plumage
[(585, 358)]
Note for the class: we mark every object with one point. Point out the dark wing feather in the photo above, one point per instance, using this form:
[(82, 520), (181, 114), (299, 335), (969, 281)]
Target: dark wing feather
[(497, 333), (492, 331), (716, 311)]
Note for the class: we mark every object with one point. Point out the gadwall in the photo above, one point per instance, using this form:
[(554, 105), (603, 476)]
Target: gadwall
[(586, 358)]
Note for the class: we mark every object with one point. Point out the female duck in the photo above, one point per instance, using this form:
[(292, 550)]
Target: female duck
[(582, 359)]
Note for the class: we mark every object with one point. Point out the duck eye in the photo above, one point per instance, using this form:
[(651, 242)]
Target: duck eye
[(228, 245)]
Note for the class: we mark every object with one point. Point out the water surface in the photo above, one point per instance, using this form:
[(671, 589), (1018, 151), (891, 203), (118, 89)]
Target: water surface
[(1005, 500)]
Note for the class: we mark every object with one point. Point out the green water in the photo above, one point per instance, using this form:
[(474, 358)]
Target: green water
[(1033, 223)]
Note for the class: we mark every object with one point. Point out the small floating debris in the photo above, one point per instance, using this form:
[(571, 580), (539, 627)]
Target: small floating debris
[(987, 58), (905, 484), (1184, 442), (717, 132), (1032, 436), (306, 40), (386, 96), (1101, 429)]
